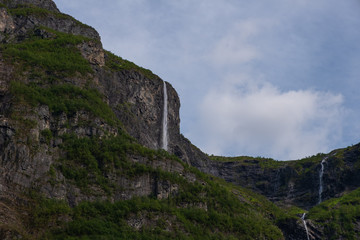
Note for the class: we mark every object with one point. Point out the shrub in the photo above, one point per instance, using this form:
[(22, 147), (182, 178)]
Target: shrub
[(64, 98), (47, 135), (58, 56), (116, 63)]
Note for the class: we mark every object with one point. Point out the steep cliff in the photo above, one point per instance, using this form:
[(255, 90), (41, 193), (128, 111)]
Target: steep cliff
[(295, 182), (80, 130), (129, 89)]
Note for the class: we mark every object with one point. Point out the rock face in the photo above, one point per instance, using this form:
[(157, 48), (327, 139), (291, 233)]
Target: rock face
[(45, 4), (15, 27), (6, 22), (295, 182), (28, 158), (137, 99), (283, 184)]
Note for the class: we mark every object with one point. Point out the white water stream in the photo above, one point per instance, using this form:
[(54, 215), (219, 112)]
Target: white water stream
[(306, 229), (321, 180), (165, 121), (321, 174)]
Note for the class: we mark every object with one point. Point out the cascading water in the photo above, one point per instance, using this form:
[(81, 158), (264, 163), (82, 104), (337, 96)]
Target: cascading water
[(306, 229), (165, 121), (321, 173)]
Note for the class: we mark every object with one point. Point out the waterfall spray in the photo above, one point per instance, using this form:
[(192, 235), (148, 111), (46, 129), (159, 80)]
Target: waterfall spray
[(165, 120), (306, 229)]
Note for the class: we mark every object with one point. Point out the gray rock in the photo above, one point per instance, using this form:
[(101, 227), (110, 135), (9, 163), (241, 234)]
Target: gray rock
[(46, 4)]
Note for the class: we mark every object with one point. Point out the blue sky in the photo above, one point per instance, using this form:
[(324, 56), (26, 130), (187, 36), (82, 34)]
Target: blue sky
[(262, 78)]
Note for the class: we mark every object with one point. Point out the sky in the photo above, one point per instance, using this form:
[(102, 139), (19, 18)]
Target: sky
[(262, 78)]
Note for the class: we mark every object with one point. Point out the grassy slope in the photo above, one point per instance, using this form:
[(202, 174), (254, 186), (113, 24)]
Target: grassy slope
[(339, 217), (299, 165)]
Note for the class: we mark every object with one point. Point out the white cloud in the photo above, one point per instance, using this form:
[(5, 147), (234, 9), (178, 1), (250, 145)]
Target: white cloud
[(258, 119), (236, 46)]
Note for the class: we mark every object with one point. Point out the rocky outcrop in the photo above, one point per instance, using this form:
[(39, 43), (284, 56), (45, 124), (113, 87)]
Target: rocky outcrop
[(138, 102), (93, 52), (294, 229), (15, 27), (46, 4), (295, 182), (282, 184), (6, 22)]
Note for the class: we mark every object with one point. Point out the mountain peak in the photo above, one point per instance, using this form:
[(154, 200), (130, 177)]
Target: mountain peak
[(46, 4)]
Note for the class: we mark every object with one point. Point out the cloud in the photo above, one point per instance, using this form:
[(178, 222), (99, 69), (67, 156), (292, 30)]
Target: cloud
[(235, 47), (256, 118)]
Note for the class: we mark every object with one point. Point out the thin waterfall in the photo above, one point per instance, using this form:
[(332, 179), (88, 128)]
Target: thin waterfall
[(321, 173), (306, 229), (165, 120)]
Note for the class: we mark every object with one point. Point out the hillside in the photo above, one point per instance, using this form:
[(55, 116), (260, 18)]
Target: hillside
[(295, 182), (327, 185), (77, 127), (81, 138)]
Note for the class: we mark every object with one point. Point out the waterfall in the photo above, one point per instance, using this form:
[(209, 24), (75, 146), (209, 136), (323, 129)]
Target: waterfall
[(306, 229), (165, 121), (321, 173)]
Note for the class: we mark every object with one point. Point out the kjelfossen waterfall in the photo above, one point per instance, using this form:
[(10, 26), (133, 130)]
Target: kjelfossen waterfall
[(165, 120)]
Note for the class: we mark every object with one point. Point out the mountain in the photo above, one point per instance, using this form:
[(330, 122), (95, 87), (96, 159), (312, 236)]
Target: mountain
[(295, 182), (81, 138), (327, 185)]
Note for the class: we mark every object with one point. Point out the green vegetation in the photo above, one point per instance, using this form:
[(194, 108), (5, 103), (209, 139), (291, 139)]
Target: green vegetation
[(338, 216), (208, 208), (308, 164), (57, 56), (105, 220), (88, 159), (47, 211), (301, 166), (47, 135), (116, 63), (24, 123), (239, 159), (64, 98), (25, 10), (208, 211), (246, 160)]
